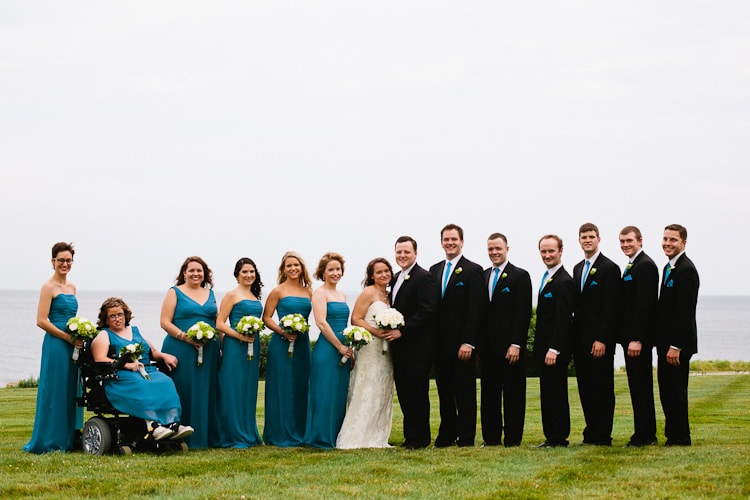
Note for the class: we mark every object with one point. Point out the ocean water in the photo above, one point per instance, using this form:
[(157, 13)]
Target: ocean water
[(723, 326)]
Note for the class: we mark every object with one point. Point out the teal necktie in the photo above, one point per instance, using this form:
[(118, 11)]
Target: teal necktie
[(494, 281), (667, 271), (447, 277), (585, 273), (544, 280)]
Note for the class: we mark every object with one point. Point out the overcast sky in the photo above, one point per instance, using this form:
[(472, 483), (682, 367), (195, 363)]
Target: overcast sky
[(148, 131)]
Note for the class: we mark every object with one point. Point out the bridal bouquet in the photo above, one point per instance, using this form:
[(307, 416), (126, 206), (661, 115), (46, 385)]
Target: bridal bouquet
[(388, 319), (80, 328), (203, 333), (356, 337), (249, 326), (294, 324), (134, 352)]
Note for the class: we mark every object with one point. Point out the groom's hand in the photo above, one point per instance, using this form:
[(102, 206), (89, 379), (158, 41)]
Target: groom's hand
[(465, 352), (393, 335)]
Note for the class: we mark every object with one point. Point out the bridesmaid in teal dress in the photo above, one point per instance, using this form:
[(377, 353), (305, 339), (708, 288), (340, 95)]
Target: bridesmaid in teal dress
[(189, 301), (58, 417), (155, 399), (238, 376), (329, 380), (287, 378)]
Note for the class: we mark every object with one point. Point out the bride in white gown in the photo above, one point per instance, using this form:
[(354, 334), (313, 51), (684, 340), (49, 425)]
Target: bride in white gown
[(367, 423)]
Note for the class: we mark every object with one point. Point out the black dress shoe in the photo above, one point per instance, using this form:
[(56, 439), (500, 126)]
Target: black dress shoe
[(675, 442), (443, 444), (545, 444), (464, 444), (512, 444), (489, 445)]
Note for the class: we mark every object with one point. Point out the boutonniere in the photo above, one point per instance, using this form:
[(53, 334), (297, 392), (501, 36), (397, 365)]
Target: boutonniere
[(388, 289), (671, 268), (503, 276), (549, 280), (406, 277), (593, 271), (458, 270), (628, 267)]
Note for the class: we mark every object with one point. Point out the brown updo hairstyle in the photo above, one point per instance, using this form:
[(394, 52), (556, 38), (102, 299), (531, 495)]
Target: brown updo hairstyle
[(324, 261), (370, 272), (208, 275), (108, 304)]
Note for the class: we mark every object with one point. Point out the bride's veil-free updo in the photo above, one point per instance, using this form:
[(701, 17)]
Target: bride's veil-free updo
[(370, 272)]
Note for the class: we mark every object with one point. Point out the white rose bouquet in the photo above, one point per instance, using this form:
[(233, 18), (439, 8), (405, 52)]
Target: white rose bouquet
[(134, 353), (80, 328), (294, 324), (203, 333), (356, 337), (249, 326), (388, 319)]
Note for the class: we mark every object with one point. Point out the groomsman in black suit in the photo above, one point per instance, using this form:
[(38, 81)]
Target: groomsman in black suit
[(503, 346), (640, 294), (458, 323), (414, 294), (677, 334), (595, 323), (552, 342)]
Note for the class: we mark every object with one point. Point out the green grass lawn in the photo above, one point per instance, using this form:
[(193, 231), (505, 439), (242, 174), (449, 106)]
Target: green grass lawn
[(717, 465)]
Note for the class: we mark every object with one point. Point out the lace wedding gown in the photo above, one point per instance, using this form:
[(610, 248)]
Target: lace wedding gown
[(367, 423)]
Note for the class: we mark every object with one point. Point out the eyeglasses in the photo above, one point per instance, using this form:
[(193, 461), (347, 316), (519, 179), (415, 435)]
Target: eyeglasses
[(64, 261), (116, 316)]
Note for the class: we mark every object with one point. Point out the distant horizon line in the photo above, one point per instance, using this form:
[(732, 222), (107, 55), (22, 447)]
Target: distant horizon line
[(215, 290)]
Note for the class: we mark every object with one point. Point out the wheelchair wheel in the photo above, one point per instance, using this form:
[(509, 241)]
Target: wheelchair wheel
[(183, 447), (126, 450), (97, 438)]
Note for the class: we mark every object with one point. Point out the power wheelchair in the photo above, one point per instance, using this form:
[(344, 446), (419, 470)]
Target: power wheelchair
[(118, 433)]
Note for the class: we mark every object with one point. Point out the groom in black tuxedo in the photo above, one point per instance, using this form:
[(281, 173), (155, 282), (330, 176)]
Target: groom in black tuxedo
[(413, 294), (458, 324)]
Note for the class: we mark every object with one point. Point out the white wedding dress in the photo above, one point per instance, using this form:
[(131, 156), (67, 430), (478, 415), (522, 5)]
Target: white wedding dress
[(367, 423)]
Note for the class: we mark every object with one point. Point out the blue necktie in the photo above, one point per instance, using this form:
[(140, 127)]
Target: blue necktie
[(447, 277), (585, 273), (544, 280), (627, 269), (667, 271), (494, 282)]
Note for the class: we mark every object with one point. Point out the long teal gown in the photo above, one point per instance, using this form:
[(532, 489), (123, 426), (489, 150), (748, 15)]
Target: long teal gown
[(287, 381), (57, 413), (195, 384), (329, 382), (130, 393), (238, 383)]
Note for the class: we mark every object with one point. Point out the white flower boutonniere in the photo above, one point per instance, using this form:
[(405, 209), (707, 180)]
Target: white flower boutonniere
[(549, 280), (458, 270), (406, 277), (593, 271)]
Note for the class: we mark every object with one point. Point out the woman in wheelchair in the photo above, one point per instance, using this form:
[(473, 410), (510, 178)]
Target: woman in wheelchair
[(140, 390)]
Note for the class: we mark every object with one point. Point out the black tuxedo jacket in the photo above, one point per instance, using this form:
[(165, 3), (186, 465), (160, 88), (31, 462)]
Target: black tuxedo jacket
[(459, 312), (554, 316), (417, 301), (508, 313), (677, 303), (639, 298), (597, 311)]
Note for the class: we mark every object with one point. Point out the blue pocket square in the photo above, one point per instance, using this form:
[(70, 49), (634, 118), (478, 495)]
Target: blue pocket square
[(505, 290), (548, 295), (629, 277), (670, 284), (593, 283), (460, 283)]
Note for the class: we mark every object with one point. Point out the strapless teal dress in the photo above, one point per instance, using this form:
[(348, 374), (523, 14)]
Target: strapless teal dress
[(195, 384), (238, 383), (57, 413), (329, 383), (130, 393), (287, 381)]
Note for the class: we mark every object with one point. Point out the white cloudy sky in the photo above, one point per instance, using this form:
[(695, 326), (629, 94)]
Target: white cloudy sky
[(148, 131)]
